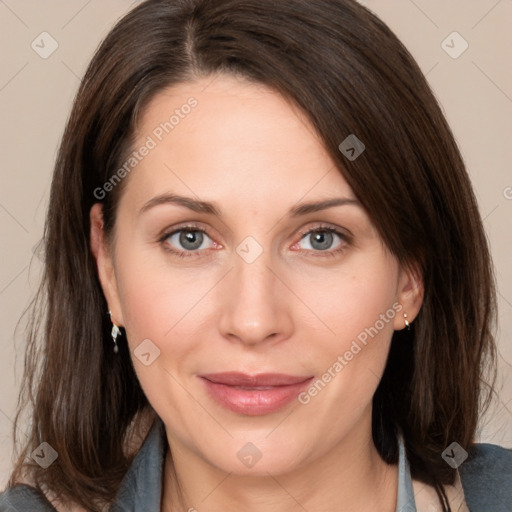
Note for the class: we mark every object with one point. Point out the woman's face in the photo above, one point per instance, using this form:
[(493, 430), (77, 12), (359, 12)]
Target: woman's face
[(253, 283)]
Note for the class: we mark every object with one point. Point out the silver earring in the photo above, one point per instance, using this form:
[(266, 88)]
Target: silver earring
[(114, 333), (407, 324)]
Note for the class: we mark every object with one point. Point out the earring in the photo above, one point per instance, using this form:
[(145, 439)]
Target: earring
[(407, 324), (114, 333)]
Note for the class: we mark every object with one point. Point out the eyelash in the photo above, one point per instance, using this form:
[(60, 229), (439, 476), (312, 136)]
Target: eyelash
[(321, 228)]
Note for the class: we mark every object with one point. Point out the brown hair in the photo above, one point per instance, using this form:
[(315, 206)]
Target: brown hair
[(350, 75)]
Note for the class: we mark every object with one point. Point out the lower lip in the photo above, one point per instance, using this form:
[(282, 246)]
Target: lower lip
[(254, 402)]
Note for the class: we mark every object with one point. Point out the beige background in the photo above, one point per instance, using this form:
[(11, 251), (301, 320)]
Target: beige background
[(474, 89)]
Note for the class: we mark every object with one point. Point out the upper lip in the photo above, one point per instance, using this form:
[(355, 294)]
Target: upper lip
[(261, 379)]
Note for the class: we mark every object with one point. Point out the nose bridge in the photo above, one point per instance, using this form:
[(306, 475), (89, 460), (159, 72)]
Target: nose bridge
[(253, 309)]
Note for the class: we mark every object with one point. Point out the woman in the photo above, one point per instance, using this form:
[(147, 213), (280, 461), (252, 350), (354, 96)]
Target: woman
[(267, 285)]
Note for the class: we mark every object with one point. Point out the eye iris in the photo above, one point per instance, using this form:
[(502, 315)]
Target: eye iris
[(195, 238), (324, 238)]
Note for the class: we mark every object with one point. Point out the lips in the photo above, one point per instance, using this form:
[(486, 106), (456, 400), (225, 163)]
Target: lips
[(254, 394)]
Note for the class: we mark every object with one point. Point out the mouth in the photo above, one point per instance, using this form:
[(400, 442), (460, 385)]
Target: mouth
[(254, 395)]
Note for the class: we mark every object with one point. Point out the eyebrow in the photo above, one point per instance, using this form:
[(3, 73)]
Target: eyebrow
[(210, 208)]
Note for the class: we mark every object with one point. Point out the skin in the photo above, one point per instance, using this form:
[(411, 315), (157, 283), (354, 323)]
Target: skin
[(293, 310)]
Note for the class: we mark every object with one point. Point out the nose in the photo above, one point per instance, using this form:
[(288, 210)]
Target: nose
[(255, 304)]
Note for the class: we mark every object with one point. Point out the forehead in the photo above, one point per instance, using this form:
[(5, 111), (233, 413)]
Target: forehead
[(227, 137)]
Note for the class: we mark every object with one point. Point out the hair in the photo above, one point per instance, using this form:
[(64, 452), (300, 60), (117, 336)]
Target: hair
[(346, 70)]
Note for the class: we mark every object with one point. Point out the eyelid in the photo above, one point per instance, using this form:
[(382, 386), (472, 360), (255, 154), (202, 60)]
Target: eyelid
[(190, 226), (343, 232)]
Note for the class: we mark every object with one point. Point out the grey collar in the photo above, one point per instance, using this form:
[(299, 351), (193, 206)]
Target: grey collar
[(405, 496), (141, 488)]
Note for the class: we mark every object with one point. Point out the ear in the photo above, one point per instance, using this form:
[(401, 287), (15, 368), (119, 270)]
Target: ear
[(410, 295), (104, 263)]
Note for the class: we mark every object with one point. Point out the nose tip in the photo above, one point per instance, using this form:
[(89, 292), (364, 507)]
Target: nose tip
[(251, 335), (253, 307)]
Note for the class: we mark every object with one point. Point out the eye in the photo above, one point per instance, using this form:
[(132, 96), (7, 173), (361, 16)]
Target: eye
[(322, 238), (186, 241)]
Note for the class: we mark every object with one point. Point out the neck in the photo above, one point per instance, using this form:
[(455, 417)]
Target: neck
[(351, 476)]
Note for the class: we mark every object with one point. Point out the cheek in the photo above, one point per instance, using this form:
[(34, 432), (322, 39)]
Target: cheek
[(357, 297), (357, 309), (158, 304), (346, 340)]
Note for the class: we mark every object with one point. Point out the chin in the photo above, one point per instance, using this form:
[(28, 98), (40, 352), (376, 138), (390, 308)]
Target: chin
[(253, 458)]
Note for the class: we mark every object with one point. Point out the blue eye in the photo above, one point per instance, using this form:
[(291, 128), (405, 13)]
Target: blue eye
[(185, 241), (320, 240), (190, 241)]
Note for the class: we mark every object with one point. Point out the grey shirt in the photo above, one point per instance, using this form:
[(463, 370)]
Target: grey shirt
[(486, 478)]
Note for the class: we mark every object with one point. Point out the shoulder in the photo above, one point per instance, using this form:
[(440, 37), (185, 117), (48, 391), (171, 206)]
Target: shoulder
[(25, 494), (23, 497), (426, 498), (486, 477)]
